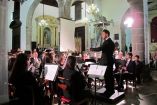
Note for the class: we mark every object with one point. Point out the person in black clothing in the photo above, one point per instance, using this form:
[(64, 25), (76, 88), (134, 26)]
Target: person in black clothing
[(74, 81), (27, 90), (107, 59), (129, 69), (130, 64), (138, 68), (120, 62)]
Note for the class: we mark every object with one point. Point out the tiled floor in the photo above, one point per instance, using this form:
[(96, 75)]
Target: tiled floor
[(145, 94)]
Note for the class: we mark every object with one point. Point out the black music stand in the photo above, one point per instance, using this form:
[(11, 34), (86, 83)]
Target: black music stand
[(96, 71), (50, 73)]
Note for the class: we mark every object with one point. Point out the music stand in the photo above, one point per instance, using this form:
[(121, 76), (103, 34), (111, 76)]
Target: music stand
[(50, 71), (96, 71)]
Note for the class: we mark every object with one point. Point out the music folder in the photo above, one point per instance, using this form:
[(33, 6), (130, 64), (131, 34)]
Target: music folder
[(97, 71), (51, 71)]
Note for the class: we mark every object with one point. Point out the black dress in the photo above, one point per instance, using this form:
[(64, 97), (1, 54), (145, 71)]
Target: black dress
[(75, 85), (27, 90)]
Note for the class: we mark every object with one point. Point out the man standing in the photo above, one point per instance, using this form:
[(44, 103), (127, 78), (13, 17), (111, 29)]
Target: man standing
[(107, 59)]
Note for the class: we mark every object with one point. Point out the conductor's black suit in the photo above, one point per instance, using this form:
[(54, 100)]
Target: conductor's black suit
[(107, 59)]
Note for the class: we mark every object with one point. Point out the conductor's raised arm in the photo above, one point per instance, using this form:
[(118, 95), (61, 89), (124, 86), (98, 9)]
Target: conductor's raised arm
[(96, 49)]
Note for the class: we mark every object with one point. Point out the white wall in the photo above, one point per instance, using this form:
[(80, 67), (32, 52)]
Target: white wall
[(3, 52), (10, 19), (114, 9), (72, 14), (152, 14), (23, 17), (52, 11), (111, 9), (48, 10)]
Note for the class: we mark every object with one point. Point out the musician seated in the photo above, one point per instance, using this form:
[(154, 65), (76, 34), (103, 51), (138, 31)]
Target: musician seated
[(74, 82), (27, 90), (127, 72)]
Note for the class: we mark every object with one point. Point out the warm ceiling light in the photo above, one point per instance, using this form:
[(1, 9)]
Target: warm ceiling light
[(129, 22), (43, 21)]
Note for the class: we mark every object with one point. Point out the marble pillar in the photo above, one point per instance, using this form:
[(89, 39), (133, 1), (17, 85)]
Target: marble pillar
[(29, 37), (67, 9), (61, 8), (3, 52), (64, 8), (146, 32), (136, 12)]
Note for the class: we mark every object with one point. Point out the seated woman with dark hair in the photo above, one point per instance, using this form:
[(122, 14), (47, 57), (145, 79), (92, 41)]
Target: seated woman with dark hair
[(74, 81), (27, 90)]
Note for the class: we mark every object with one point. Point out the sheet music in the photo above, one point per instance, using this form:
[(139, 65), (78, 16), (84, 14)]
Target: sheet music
[(50, 71), (97, 71), (101, 70)]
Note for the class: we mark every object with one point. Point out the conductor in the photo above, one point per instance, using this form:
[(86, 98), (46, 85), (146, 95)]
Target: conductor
[(107, 59)]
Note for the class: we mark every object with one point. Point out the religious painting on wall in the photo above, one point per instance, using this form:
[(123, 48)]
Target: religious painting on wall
[(47, 37)]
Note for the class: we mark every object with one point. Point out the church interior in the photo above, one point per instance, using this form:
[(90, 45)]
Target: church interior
[(52, 32)]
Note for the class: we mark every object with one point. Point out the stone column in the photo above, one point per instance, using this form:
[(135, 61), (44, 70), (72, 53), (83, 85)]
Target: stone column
[(136, 12), (15, 25), (38, 34), (146, 32), (67, 9), (29, 37), (42, 37), (3, 52), (61, 8), (64, 8)]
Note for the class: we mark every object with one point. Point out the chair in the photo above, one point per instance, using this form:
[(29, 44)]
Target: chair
[(130, 77)]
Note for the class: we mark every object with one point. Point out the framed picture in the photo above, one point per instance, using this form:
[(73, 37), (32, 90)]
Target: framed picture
[(116, 36)]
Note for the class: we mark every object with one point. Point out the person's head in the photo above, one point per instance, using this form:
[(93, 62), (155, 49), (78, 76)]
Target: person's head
[(20, 66), (62, 58), (48, 58), (129, 55), (35, 54), (71, 62), (137, 57), (120, 55), (85, 56), (28, 53), (105, 34)]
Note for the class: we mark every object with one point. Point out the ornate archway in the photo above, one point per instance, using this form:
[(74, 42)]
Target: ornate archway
[(29, 23)]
